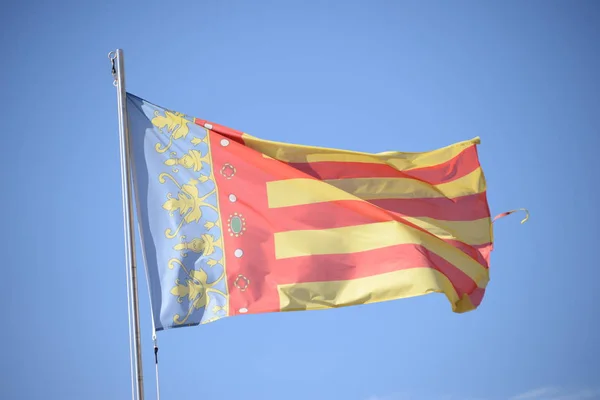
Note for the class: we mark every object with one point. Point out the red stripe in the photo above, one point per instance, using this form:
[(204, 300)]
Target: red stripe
[(334, 267), (326, 215), (477, 296), (462, 164), (463, 208), (479, 253)]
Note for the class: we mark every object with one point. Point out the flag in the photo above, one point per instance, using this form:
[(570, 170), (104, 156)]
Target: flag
[(232, 224)]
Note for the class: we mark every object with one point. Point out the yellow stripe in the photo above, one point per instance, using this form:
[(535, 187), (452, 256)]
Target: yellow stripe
[(389, 286), (407, 188), (294, 192), (352, 239), (402, 161), (473, 233)]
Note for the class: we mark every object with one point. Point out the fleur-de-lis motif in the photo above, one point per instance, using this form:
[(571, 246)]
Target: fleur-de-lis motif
[(197, 290), (192, 160), (194, 288), (175, 124), (205, 244), (187, 202)]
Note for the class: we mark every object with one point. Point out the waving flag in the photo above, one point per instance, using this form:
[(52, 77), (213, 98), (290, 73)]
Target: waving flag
[(232, 224)]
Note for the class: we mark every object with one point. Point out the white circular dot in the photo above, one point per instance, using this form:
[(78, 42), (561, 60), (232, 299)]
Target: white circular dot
[(238, 253), (243, 310), (232, 198), (224, 142), (208, 126)]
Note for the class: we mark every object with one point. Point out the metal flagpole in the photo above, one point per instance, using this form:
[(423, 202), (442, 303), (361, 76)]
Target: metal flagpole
[(130, 261)]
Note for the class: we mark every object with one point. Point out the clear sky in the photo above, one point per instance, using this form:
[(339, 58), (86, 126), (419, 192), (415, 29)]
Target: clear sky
[(373, 76)]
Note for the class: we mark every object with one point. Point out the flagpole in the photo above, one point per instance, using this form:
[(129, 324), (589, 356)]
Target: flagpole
[(118, 61)]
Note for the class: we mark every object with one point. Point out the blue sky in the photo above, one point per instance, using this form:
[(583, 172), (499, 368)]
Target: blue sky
[(372, 76)]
